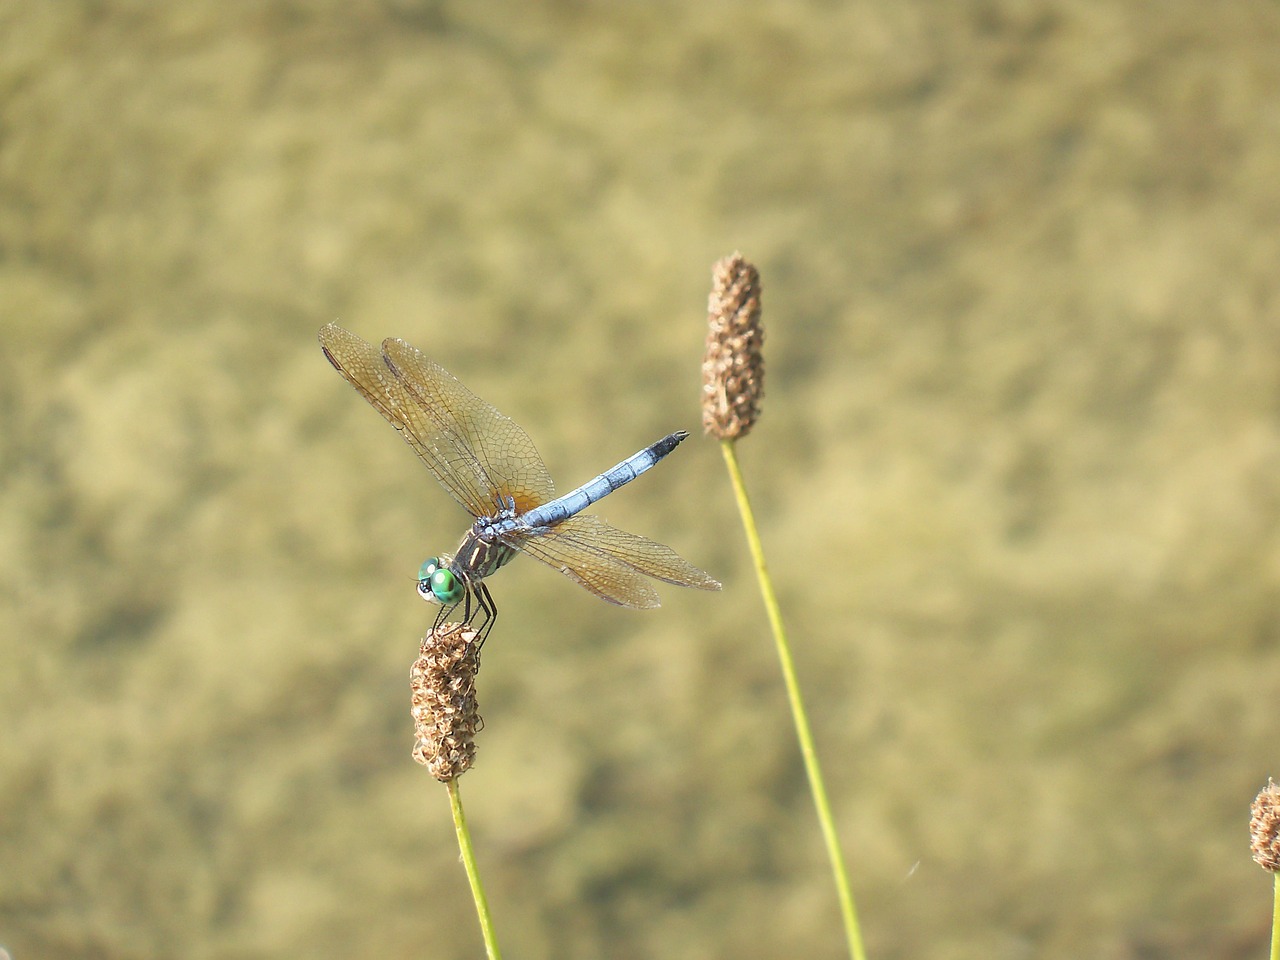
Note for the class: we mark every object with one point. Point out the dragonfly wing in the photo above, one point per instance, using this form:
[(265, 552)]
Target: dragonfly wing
[(485, 446), (612, 563), (452, 431)]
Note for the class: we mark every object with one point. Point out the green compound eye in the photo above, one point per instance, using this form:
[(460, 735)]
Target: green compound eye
[(437, 582), (446, 587)]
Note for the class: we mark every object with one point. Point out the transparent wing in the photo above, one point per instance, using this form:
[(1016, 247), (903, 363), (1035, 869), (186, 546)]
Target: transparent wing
[(612, 563), (481, 441), (477, 454)]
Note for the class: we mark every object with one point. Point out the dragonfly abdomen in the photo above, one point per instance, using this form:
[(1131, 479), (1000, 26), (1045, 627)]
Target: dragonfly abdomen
[(616, 476)]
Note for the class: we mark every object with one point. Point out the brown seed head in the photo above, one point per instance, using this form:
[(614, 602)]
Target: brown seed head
[(445, 719), (1264, 826), (733, 367)]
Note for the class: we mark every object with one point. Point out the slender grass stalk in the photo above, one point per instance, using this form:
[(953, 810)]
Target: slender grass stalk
[(473, 873), (812, 768), (1264, 835), (446, 718), (1275, 918), (732, 386)]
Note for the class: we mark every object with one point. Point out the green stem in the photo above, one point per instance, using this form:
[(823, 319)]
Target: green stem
[(1275, 919), (473, 874), (814, 771)]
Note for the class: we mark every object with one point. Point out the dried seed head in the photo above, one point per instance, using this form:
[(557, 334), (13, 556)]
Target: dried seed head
[(1264, 826), (733, 367), (445, 720)]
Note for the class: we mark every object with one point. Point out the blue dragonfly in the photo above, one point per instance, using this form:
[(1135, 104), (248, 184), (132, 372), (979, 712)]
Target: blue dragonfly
[(490, 466)]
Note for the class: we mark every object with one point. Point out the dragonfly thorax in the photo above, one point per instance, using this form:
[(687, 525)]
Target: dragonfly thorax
[(483, 548), (446, 579)]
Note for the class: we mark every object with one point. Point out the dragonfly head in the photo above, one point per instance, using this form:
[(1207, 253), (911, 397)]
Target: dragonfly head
[(438, 583)]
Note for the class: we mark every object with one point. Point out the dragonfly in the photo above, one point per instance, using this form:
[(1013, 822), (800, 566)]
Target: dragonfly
[(489, 465)]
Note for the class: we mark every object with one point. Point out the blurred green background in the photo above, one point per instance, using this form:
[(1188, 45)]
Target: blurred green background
[(1018, 473)]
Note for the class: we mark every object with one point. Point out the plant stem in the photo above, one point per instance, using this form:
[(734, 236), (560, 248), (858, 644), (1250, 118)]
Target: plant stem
[(1275, 919), (473, 874), (803, 733)]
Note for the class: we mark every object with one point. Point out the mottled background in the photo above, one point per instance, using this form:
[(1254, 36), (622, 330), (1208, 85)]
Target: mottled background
[(1018, 473)]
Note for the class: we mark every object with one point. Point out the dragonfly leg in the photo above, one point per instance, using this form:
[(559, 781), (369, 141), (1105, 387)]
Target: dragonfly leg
[(490, 609), (442, 616), (481, 616)]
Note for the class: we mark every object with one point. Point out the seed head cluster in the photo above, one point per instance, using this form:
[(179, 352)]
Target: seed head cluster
[(1264, 827), (445, 717), (733, 366)]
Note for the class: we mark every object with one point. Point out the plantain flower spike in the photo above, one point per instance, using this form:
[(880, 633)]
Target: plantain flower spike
[(733, 367), (1264, 827), (445, 718)]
